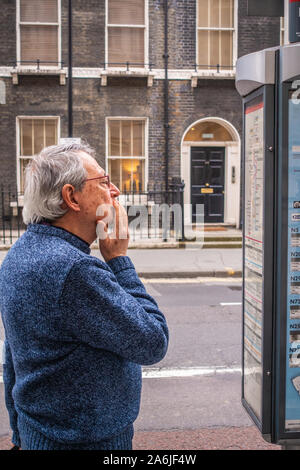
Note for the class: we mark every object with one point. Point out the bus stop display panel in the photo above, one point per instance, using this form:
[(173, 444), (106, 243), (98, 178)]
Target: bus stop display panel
[(292, 386), (253, 254)]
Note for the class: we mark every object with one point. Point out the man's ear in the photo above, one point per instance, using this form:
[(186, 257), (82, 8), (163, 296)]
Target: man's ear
[(69, 196)]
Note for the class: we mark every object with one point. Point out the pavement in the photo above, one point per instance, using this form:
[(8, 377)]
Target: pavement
[(217, 438)]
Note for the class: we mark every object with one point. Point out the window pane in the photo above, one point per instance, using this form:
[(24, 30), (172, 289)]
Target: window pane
[(208, 131), (226, 49), (114, 168), (214, 48), (203, 49), (214, 13), (39, 42), (23, 164), (114, 138), (51, 132), (126, 45), (44, 11), (26, 137), (203, 13), (126, 175), (227, 13), (38, 133), (126, 12), (138, 172), (138, 138), (126, 139)]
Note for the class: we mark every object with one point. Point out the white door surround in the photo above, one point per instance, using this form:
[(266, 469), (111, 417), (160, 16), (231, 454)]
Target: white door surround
[(232, 165)]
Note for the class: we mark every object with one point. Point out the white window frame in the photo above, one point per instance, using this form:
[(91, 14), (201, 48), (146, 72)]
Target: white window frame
[(18, 146), (145, 26), (146, 143), (234, 40), (18, 34), (282, 31)]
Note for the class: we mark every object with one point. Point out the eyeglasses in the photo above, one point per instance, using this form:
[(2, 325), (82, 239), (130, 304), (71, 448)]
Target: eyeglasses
[(107, 179)]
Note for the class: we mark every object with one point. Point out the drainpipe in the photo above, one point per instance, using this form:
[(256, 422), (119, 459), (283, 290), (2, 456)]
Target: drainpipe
[(70, 87), (166, 96)]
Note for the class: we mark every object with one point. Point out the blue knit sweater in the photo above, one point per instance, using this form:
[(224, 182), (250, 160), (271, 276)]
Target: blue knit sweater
[(77, 332)]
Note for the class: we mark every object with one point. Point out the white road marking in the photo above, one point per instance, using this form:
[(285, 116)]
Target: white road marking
[(166, 373), (230, 303), (193, 280), (154, 292), (163, 373)]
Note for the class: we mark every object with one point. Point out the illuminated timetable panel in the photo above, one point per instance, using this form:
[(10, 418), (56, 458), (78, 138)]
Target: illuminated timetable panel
[(253, 253)]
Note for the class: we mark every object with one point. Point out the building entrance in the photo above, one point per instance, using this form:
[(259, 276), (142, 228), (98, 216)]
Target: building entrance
[(207, 182)]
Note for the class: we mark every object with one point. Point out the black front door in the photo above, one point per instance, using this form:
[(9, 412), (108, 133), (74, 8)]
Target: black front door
[(207, 182)]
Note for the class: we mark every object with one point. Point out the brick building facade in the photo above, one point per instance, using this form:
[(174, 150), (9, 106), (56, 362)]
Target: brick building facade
[(119, 108)]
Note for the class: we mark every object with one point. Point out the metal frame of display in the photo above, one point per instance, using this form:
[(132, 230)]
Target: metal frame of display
[(264, 424)]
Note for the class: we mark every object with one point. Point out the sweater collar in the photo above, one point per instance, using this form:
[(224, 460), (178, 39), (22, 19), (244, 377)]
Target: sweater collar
[(50, 230)]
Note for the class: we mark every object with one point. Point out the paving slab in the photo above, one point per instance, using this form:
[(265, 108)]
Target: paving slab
[(219, 438)]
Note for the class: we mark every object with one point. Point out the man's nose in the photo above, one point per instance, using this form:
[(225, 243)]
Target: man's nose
[(114, 191)]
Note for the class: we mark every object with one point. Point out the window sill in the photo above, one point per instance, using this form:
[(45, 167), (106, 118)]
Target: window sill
[(211, 74), (42, 71), (132, 73)]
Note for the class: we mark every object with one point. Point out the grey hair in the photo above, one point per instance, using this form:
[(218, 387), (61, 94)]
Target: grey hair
[(45, 177)]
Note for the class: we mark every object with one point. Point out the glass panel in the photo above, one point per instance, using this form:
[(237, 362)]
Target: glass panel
[(114, 167), (126, 139), (38, 135), (138, 138), (39, 42), (26, 137), (126, 45), (215, 204), (23, 164), (226, 49), (138, 172), (208, 131), (198, 174), (227, 13), (126, 175), (203, 49), (126, 12), (214, 13), (214, 48), (114, 138), (44, 11), (215, 175), (203, 13), (51, 132)]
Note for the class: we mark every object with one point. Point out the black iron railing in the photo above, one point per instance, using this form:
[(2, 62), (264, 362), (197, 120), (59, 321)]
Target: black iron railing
[(126, 65), (218, 67), (155, 214), (38, 63), (11, 221)]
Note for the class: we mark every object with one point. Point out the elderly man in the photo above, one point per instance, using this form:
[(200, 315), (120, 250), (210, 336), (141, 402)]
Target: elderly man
[(77, 328)]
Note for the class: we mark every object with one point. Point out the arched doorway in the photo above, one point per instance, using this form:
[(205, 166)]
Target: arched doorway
[(210, 167)]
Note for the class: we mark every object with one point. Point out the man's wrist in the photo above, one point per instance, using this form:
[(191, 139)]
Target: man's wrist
[(120, 263), (109, 258)]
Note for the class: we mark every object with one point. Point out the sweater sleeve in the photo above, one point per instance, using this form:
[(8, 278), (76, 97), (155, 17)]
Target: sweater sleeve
[(9, 382), (107, 307)]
